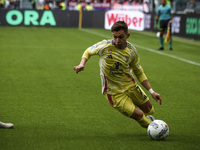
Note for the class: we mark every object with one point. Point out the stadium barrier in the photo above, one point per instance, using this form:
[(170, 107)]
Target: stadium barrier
[(183, 25)]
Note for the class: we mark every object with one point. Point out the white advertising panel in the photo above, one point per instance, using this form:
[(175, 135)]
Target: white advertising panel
[(134, 19)]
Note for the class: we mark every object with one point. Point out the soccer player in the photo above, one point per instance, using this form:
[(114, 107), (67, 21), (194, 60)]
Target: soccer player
[(117, 59), (6, 125), (165, 16)]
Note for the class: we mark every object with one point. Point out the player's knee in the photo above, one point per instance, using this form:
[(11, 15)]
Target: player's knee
[(137, 114), (151, 111)]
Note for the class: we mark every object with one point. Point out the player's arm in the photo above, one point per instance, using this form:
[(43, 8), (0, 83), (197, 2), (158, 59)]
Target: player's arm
[(155, 95), (157, 19), (84, 59), (93, 50), (138, 71), (170, 21), (137, 68), (81, 66)]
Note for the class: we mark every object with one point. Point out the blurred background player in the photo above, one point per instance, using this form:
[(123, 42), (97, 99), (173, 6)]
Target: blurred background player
[(164, 16), (117, 58), (6, 125)]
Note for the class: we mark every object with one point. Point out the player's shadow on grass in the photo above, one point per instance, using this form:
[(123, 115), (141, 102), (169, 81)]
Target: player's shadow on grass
[(107, 137)]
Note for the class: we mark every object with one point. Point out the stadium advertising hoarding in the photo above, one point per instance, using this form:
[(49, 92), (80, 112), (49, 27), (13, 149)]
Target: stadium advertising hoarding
[(38, 18), (182, 25), (15, 17), (193, 26), (134, 19)]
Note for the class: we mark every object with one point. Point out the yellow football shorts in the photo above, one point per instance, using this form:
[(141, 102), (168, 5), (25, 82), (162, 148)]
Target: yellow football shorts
[(127, 101)]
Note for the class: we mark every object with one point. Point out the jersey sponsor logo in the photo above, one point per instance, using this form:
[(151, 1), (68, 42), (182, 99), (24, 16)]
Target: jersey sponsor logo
[(117, 68)]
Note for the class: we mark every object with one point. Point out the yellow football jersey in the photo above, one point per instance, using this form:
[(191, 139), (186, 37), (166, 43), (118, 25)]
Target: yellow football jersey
[(116, 66)]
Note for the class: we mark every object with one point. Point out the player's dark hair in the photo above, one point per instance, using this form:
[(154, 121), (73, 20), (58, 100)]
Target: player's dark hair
[(119, 25)]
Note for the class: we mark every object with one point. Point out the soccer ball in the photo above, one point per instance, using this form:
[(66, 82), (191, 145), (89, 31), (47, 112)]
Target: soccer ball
[(158, 34), (158, 130)]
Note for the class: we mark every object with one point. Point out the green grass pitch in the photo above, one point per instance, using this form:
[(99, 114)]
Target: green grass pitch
[(53, 108)]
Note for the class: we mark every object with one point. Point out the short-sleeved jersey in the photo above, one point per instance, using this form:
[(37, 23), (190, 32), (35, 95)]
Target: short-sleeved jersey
[(115, 66), (164, 12)]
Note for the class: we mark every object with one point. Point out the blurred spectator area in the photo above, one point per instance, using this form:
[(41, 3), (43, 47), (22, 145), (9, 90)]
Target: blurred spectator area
[(135, 5), (53, 4), (182, 6), (10, 4), (178, 6), (97, 4)]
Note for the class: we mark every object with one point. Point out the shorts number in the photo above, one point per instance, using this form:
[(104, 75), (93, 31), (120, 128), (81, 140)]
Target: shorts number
[(138, 88)]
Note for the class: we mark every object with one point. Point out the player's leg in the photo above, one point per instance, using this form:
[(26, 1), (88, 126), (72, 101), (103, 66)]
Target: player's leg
[(125, 105), (141, 100), (161, 30), (122, 103), (6, 125), (147, 108), (139, 116), (170, 42)]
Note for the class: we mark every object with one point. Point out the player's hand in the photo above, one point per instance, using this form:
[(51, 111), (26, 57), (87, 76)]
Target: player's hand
[(157, 97), (79, 68), (169, 23)]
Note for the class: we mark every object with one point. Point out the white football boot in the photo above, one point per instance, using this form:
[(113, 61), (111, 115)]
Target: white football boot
[(150, 117)]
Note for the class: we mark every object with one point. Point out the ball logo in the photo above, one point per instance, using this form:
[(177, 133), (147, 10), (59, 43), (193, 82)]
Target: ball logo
[(163, 131), (154, 125)]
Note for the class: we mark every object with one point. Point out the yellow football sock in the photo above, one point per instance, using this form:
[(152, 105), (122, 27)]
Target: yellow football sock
[(144, 122)]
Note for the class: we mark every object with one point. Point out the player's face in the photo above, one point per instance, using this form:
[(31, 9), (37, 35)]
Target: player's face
[(163, 2), (120, 38)]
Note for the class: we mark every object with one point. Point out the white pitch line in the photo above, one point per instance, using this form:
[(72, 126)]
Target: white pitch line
[(147, 49), (172, 56)]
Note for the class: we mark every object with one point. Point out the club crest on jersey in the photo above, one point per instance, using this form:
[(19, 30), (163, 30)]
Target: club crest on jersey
[(109, 51)]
